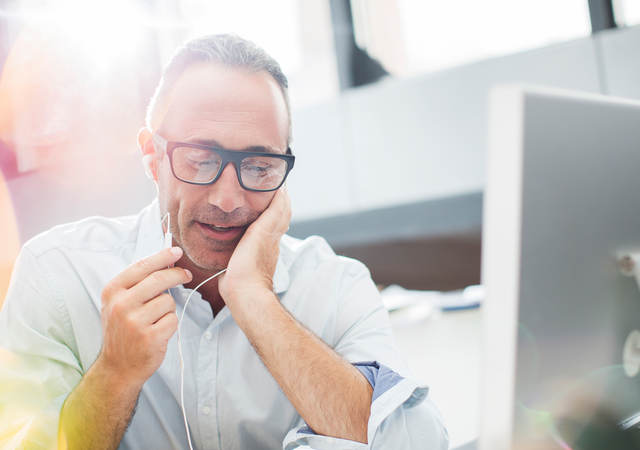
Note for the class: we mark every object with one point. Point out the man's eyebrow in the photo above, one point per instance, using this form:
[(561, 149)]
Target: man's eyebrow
[(209, 142), (253, 148), (262, 149)]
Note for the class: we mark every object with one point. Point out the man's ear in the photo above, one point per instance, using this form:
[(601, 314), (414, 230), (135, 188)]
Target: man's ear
[(149, 161)]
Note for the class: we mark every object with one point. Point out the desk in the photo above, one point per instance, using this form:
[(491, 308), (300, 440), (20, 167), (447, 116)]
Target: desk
[(443, 351)]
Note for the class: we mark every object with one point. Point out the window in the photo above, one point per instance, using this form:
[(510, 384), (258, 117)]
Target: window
[(627, 12), (416, 36), (297, 34)]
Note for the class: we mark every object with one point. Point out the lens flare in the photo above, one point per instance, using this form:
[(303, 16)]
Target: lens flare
[(99, 32), (32, 391)]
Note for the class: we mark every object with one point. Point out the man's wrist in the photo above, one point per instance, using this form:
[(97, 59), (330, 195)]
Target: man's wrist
[(250, 301), (250, 293), (114, 381)]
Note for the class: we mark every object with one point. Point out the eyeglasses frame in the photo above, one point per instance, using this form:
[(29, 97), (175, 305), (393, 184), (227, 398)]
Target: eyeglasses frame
[(228, 156)]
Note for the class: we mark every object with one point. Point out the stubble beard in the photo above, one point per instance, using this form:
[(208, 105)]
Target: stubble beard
[(207, 254), (211, 254)]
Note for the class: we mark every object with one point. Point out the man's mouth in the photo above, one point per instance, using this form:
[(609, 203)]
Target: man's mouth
[(220, 232), (218, 228)]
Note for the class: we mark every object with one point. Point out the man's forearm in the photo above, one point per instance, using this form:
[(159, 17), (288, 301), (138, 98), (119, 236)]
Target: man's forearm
[(331, 395), (97, 412)]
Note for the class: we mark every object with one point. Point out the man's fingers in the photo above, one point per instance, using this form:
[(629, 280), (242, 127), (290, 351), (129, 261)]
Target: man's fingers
[(159, 281), (156, 308), (283, 210), (166, 325), (139, 270), (276, 218)]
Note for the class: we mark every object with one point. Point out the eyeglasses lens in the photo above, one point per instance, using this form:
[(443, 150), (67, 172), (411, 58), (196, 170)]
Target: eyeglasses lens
[(201, 166), (196, 165), (262, 172)]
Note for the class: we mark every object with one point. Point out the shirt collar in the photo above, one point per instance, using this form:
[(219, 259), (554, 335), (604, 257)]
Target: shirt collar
[(151, 240)]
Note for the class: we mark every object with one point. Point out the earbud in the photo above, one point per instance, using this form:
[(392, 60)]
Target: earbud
[(168, 237), (147, 160)]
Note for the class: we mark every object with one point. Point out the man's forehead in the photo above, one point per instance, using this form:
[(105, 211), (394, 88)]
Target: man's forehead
[(214, 87), (211, 98)]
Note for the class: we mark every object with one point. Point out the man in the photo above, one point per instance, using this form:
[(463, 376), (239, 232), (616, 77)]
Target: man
[(289, 348)]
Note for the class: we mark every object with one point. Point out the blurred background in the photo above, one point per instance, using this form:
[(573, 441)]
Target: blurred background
[(392, 92)]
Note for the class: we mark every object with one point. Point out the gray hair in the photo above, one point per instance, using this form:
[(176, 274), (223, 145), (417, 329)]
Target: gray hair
[(226, 49)]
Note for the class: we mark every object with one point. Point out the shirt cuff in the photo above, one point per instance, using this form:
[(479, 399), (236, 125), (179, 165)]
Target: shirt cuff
[(390, 391)]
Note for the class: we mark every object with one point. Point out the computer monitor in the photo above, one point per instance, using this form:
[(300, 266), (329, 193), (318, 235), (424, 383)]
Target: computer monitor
[(562, 202)]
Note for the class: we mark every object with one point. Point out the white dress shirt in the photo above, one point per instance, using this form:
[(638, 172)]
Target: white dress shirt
[(51, 317)]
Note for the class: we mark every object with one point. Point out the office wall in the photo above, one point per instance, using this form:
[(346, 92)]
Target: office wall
[(321, 181), (621, 64), (415, 139), (426, 138)]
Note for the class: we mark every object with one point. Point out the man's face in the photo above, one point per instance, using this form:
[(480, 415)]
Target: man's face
[(230, 108)]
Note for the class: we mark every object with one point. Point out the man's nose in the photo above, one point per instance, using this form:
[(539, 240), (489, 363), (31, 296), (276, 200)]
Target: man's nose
[(226, 193)]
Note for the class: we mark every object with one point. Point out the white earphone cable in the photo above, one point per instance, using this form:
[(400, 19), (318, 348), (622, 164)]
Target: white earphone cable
[(184, 414)]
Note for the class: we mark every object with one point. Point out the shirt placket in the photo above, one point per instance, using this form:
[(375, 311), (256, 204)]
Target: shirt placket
[(206, 387)]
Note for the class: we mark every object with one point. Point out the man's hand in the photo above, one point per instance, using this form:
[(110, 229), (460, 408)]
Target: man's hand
[(254, 260), (311, 374), (138, 317)]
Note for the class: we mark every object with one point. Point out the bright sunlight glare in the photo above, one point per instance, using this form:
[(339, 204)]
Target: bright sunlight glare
[(99, 32)]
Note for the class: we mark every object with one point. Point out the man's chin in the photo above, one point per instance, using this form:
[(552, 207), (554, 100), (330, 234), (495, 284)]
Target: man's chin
[(214, 256), (207, 252)]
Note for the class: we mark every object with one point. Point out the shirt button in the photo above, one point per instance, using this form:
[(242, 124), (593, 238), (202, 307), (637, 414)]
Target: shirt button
[(206, 410), (208, 335)]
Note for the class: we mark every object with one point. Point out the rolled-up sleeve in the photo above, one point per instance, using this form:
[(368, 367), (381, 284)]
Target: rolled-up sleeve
[(401, 416)]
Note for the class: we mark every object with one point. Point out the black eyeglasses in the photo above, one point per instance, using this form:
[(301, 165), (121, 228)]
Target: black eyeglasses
[(203, 164)]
